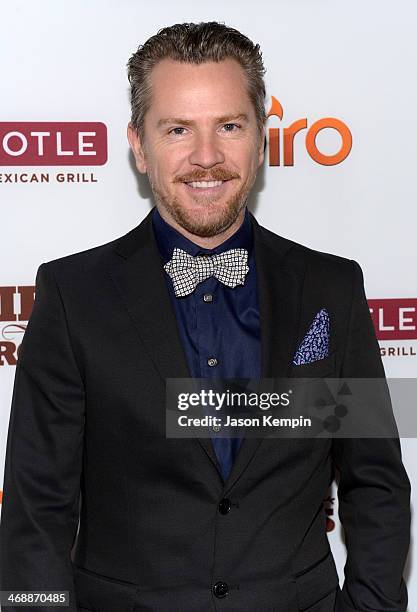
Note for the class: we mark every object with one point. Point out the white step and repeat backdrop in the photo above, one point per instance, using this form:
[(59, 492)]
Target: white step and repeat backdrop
[(343, 72)]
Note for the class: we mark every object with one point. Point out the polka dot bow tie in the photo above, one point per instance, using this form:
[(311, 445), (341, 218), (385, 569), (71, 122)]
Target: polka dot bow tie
[(186, 271)]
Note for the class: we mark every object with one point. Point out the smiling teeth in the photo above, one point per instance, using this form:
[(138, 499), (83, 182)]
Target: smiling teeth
[(205, 184)]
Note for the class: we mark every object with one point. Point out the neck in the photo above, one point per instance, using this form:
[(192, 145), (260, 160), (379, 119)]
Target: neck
[(205, 242)]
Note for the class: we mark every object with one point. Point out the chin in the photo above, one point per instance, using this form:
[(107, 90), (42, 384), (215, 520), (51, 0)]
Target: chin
[(208, 222)]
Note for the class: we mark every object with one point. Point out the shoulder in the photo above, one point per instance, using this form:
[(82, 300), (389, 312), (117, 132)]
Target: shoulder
[(92, 261), (84, 257), (319, 264), (80, 265)]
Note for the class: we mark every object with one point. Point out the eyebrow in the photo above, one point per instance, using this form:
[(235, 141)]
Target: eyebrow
[(223, 119)]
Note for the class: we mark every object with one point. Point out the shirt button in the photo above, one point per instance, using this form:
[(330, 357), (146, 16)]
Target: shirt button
[(221, 589), (216, 428), (212, 361), (207, 297), (225, 505)]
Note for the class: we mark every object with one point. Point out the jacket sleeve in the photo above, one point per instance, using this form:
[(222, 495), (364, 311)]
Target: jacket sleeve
[(43, 454), (373, 489)]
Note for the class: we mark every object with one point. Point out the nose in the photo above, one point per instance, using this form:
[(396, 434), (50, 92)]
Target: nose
[(206, 151)]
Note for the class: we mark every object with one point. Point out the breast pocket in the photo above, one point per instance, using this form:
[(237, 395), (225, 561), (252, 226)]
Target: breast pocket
[(315, 369)]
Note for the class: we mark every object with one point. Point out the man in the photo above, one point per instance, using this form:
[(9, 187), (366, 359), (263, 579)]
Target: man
[(197, 289)]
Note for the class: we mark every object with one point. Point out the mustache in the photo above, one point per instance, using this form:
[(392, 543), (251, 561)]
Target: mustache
[(216, 174)]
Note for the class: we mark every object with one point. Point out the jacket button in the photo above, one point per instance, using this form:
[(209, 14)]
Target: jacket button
[(225, 505), (220, 589)]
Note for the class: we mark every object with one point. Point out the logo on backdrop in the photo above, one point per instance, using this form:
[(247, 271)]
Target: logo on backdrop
[(394, 319), (16, 305), (75, 144), (282, 145)]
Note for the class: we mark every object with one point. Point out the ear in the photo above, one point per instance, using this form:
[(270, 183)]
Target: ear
[(262, 147), (137, 148)]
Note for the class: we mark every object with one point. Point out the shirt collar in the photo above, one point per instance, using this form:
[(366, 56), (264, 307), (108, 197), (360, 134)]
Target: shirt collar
[(168, 238)]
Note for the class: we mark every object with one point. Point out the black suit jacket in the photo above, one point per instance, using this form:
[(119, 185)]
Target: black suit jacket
[(87, 440)]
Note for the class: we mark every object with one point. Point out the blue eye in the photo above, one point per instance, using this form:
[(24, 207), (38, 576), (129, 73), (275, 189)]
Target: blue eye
[(173, 130), (232, 124)]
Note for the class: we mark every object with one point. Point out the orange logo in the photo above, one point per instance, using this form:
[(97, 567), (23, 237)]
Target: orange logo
[(310, 139)]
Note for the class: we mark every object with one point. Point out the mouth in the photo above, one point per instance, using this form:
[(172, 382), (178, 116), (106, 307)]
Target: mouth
[(206, 187)]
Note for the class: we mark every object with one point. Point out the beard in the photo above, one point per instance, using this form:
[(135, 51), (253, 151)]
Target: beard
[(215, 216)]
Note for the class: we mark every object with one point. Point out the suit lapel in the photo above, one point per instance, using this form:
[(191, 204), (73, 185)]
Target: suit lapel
[(280, 283), (139, 279)]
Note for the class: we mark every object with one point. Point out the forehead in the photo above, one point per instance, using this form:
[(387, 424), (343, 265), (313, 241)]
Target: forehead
[(185, 87)]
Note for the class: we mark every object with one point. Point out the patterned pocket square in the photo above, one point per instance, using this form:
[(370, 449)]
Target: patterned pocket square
[(315, 344)]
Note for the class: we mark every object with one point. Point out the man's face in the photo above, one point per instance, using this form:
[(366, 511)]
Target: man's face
[(201, 127)]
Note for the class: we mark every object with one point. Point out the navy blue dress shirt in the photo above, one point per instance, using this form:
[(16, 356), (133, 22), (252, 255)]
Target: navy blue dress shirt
[(216, 322)]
